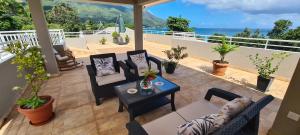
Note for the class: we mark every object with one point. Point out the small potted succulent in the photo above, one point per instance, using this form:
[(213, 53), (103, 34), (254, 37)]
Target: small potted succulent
[(30, 66), (115, 36), (174, 56), (146, 83), (103, 41), (127, 39), (220, 66), (265, 68)]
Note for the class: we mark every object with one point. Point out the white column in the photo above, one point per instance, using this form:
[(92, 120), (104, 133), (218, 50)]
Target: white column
[(138, 26), (42, 32)]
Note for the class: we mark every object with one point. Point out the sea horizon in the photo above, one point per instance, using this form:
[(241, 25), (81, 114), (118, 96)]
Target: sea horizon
[(225, 31)]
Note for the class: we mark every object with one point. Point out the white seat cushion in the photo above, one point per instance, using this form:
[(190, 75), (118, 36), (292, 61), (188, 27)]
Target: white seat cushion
[(116, 77), (61, 58), (166, 125), (197, 109), (141, 72)]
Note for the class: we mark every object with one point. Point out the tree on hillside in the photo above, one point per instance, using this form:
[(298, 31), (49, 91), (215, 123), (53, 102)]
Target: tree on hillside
[(90, 25), (293, 34), (280, 28), (13, 15), (178, 24), (64, 15)]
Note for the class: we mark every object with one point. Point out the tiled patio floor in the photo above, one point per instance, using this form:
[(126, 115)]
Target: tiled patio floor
[(77, 114)]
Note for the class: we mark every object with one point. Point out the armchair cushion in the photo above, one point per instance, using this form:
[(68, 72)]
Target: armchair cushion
[(197, 109), (204, 125), (166, 125), (116, 77), (234, 107), (141, 71), (104, 66), (61, 58), (140, 61)]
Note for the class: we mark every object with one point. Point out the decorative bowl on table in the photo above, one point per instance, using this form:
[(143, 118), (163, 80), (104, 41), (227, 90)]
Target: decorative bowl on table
[(146, 87)]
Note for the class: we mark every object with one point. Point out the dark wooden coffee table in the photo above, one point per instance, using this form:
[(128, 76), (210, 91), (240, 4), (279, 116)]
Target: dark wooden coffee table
[(137, 104)]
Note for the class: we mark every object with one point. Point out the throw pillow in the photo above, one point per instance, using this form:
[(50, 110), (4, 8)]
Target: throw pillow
[(234, 107), (203, 126), (104, 66), (140, 61)]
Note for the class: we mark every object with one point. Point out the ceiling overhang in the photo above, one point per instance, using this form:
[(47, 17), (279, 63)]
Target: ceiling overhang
[(145, 3)]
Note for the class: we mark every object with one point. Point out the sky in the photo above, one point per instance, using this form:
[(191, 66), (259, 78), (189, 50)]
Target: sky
[(231, 13)]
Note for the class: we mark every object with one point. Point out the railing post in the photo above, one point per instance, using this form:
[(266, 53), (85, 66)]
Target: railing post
[(266, 45), (230, 40), (81, 34)]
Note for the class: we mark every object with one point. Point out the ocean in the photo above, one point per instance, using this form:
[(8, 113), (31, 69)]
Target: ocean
[(225, 31)]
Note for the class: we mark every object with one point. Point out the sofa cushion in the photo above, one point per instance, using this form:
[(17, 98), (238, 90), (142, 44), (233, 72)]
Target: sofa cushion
[(204, 125), (166, 125), (104, 66), (197, 109), (142, 71), (234, 107), (116, 77), (140, 61)]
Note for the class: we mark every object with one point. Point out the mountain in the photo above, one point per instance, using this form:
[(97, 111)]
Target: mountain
[(106, 13)]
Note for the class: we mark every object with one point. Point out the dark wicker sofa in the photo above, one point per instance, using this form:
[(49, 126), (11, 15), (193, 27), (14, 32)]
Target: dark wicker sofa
[(245, 123), (106, 89), (134, 73)]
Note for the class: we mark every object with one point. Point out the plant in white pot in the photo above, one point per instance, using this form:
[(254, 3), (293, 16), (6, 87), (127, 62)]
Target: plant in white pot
[(174, 56), (265, 68), (220, 66), (30, 66)]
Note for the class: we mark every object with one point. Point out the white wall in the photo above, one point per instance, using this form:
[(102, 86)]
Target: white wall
[(8, 79), (238, 59)]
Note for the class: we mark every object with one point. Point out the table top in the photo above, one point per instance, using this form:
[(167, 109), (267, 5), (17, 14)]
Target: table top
[(167, 88)]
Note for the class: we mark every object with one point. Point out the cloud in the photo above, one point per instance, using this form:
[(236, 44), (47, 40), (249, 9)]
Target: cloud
[(253, 6), (267, 20)]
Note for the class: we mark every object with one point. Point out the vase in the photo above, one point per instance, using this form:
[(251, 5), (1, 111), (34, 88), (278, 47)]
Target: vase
[(146, 89)]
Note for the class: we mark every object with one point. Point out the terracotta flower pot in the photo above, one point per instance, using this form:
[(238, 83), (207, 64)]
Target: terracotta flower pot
[(219, 69), (40, 115)]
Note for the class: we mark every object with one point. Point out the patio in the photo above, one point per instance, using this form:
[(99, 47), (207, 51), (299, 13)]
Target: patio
[(76, 112)]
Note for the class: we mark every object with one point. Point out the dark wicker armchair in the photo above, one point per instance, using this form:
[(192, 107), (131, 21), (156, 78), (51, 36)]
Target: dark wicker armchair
[(245, 123), (102, 87), (134, 73)]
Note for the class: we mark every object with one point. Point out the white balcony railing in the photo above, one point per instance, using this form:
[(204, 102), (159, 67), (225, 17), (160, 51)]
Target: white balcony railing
[(28, 37), (266, 43)]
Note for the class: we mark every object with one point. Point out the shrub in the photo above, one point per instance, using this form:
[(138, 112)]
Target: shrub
[(103, 41), (264, 64), (115, 35)]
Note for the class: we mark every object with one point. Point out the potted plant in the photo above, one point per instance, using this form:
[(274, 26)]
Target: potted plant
[(115, 36), (30, 65), (265, 68), (103, 41), (146, 82), (174, 56), (127, 39), (220, 66)]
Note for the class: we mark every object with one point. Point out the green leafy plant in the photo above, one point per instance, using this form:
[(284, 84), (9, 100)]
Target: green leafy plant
[(30, 65), (175, 55), (115, 35), (103, 41), (127, 39), (224, 48), (265, 66)]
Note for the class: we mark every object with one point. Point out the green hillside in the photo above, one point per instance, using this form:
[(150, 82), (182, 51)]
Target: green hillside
[(106, 13)]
